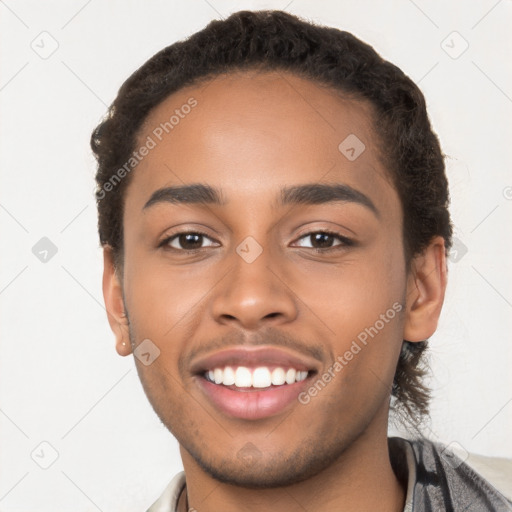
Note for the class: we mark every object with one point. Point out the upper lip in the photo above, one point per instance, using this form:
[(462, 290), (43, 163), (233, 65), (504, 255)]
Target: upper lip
[(253, 357)]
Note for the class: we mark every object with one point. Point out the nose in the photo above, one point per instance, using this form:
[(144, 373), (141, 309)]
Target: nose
[(254, 294)]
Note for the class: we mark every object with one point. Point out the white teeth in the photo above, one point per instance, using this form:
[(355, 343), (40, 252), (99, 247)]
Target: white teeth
[(301, 376), (260, 377), (243, 377), (278, 377), (229, 376), (217, 375), (290, 376)]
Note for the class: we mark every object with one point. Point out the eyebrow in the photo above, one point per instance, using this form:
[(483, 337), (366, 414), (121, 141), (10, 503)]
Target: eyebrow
[(308, 194)]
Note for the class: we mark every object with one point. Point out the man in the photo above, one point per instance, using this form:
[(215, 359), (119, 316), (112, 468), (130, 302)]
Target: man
[(273, 208)]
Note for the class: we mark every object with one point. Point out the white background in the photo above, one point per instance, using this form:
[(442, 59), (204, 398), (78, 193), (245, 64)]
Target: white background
[(61, 380)]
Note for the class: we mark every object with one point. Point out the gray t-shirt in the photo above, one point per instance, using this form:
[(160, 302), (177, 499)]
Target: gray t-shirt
[(436, 479)]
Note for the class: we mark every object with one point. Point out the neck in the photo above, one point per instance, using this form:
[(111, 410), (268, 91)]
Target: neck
[(361, 479)]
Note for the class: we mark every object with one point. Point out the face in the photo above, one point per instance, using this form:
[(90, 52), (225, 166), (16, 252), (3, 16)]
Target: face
[(268, 284)]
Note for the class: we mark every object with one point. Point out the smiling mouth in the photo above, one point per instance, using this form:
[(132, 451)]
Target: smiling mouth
[(243, 378), (253, 393), (253, 383)]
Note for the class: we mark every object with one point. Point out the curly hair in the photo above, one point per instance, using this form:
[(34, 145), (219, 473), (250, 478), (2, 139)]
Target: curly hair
[(278, 41)]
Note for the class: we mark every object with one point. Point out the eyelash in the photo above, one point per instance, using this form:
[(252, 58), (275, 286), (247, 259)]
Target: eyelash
[(345, 242)]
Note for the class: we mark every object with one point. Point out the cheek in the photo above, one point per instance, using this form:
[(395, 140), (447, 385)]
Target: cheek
[(166, 305), (360, 302), (352, 294), (162, 297)]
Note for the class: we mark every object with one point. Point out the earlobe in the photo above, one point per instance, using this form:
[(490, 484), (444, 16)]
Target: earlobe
[(114, 303), (426, 286)]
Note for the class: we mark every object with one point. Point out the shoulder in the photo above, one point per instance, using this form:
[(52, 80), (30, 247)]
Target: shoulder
[(496, 470), (168, 500), (454, 479)]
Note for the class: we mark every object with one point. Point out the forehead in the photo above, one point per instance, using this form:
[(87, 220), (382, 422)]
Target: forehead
[(256, 132)]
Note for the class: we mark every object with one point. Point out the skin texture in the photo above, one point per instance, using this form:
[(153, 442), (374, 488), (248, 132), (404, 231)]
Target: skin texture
[(251, 134)]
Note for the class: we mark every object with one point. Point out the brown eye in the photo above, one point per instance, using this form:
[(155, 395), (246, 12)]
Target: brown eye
[(321, 240), (324, 240), (186, 241)]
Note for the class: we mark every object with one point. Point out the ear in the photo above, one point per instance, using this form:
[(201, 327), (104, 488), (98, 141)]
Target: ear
[(426, 286), (113, 296)]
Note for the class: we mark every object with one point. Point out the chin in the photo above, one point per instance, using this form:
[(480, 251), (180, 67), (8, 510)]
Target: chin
[(252, 470)]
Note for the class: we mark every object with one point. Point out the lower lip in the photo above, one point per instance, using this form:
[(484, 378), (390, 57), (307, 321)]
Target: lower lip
[(252, 405)]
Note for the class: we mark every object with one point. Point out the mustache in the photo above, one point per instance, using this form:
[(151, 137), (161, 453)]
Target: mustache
[(269, 337)]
